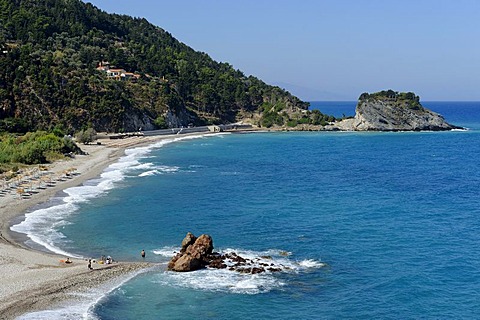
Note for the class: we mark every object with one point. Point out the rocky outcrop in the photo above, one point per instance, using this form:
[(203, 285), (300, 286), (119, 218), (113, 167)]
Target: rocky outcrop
[(135, 120), (197, 253), (194, 255), (392, 111)]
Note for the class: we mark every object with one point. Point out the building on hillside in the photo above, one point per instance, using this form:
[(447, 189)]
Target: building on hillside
[(116, 74), (129, 76)]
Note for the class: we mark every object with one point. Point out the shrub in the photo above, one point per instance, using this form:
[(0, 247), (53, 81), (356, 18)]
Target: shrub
[(33, 148), (304, 120), (292, 123), (271, 118), (161, 123), (86, 136), (58, 131)]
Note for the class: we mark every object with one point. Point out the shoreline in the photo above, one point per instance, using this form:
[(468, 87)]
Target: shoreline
[(35, 279)]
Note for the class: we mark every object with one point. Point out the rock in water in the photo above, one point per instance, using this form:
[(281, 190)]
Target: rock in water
[(186, 263), (393, 111), (194, 254), (202, 246), (197, 253), (188, 240)]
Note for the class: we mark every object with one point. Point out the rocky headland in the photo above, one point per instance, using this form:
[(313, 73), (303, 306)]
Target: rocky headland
[(392, 111)]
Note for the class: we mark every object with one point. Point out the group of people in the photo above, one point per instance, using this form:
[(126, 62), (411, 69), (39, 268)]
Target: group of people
[(107, 260), (103, 260)]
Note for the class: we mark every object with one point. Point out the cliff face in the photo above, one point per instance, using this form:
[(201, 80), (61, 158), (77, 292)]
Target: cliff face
[(393, 111), (385, 116)]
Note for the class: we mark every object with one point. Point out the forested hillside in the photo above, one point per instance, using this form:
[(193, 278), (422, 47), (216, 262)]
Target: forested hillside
[(50, 51)]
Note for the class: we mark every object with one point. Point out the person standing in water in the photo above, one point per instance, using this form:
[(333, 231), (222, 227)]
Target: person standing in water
[(143, 254)]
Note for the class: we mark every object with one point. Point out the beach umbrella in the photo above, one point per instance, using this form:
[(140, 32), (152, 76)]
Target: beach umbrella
[(20, 191)]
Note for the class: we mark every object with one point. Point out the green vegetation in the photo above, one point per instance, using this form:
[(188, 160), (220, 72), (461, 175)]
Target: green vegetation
[(306, 117), (86, 136), (34, 148), (161, 123), (50, 86), (48, 78), (402, 99), (274, 115)]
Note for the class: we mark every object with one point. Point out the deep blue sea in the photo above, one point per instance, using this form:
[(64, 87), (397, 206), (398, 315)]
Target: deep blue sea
[(366, 225)]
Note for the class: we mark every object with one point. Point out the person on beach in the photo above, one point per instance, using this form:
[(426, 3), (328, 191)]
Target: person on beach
[(143, 254), (90, 264)]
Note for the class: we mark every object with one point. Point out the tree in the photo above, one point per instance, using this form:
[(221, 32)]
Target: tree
[(86, 136), (161, 123), (48, 74)]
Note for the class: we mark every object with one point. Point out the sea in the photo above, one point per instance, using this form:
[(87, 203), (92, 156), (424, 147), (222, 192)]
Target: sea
[(365, 225)]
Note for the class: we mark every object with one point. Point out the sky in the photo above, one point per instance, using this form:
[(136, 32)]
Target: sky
[(332, 49)]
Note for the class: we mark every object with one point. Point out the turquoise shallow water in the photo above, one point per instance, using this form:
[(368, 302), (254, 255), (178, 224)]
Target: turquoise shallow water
[(377, 225)]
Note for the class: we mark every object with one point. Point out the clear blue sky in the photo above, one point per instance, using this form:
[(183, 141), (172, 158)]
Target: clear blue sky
[(332, 49)]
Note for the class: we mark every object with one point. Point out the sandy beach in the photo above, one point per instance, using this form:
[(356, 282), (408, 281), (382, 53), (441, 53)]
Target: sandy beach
[(33, 280)]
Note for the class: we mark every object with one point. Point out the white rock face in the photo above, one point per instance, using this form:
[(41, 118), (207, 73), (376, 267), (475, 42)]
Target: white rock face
[(384, 115)]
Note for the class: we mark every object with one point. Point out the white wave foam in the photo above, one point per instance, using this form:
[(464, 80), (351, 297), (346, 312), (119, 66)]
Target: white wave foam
[(40, 225), (311, 264), (225, 280), (143, 166), (273, 261), (149, 173), (159, 170), (275, 258), (167, 252), (168, 169), (220, 281)]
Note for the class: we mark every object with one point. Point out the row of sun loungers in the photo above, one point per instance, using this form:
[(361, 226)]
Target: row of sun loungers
[(27, 183)]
